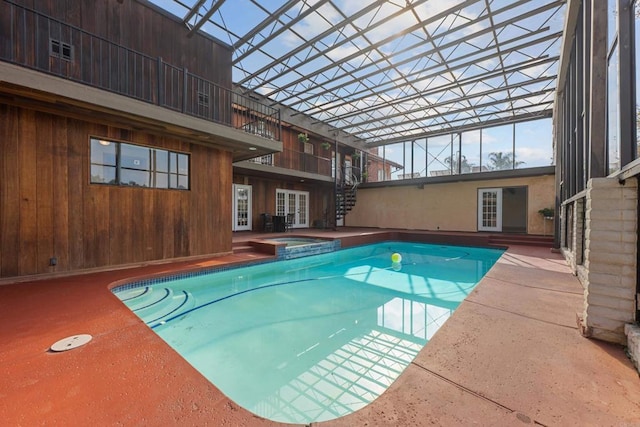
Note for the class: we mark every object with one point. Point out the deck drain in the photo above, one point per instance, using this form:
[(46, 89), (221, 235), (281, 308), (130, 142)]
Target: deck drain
[(71, 342)]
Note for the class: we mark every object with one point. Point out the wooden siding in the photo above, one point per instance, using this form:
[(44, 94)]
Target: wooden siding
[(49, 209), (135, 25)]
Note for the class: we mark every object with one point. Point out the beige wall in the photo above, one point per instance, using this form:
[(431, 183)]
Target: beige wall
[(447, 206)]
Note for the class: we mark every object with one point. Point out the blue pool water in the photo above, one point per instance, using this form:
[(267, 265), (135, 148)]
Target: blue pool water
[(314, 338)]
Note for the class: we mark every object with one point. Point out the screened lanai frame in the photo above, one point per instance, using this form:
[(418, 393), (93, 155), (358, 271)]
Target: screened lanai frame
[(390, 71)]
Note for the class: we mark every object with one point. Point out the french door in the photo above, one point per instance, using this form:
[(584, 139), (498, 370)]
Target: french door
[(241, 207), (296, 203), (490, 209)]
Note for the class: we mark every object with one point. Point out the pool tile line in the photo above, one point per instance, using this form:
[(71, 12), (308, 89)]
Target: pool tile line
[(134, 283)]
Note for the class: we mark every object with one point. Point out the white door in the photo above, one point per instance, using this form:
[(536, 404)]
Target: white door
[(294, 202), (241, 207), (490, 209)]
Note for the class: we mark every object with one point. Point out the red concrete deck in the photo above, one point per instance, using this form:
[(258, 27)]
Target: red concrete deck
[(510, 354)]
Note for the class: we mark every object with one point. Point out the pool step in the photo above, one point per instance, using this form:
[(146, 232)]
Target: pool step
[(156, 305)]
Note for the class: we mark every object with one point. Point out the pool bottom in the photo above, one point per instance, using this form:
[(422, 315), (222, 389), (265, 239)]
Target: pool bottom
[(315, 344)]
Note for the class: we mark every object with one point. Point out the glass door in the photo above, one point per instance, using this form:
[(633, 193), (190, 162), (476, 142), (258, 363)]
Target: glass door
[(241, 207), (490, 209), (296, 203)]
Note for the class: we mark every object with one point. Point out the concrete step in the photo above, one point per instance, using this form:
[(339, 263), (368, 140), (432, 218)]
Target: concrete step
[(522, 239)]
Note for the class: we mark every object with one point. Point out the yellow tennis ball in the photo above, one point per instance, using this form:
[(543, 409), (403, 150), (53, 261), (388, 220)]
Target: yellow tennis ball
[(396, 257)]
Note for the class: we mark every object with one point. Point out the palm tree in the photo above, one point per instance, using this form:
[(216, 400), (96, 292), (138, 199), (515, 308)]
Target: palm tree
[(502, 161)]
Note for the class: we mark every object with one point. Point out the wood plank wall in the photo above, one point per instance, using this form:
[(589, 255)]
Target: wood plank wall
[(142, 27), (49, 209)]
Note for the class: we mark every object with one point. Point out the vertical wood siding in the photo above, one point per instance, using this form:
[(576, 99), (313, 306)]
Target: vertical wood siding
[(49, 209)]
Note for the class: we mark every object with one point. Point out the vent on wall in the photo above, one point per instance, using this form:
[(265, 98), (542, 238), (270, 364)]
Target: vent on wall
[(60, 49)]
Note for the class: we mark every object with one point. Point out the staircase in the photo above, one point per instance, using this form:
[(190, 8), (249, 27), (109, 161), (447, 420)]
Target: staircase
[(345, 199)]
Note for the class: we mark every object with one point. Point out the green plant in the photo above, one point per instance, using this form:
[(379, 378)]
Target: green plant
[(303, 137), (326, 145), (547, 212), (355, 155)]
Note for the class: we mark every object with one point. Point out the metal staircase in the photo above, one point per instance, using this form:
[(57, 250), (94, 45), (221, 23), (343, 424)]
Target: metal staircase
[(346, 190)]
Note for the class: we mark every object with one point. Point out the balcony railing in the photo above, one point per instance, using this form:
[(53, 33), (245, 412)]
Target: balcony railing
[(42, 43), (296, 160)]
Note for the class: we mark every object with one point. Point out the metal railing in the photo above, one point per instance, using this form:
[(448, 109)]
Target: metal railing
[(297, 160), (37, 41)]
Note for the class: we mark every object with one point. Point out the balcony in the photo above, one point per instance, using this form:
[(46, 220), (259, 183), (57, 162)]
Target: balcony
[(292, 163), (39, 42)]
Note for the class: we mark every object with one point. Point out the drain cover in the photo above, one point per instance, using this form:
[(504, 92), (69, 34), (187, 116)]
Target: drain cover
[(71, 342)]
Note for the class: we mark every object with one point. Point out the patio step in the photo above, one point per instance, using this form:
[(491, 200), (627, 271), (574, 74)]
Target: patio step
[(521, 239), (243, 248)]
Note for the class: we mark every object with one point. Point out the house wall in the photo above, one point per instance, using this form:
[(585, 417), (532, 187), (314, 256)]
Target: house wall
[(134, 24), (451, 206), (49, 209)]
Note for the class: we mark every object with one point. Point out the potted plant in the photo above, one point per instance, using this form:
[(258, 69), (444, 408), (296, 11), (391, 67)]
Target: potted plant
[(355, 155), (326, 145), (303, 137), (547, 213)]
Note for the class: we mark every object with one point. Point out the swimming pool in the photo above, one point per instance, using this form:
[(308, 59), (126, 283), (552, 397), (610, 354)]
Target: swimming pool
[(316, 338)]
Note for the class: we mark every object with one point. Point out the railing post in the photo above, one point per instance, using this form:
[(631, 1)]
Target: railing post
[(184, 90), (279, 126), (160, 86)]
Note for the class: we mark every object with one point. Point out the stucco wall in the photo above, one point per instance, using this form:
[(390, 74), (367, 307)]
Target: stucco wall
[(449, 206)]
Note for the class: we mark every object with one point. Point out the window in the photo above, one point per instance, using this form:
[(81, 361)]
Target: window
[(308, 148), (60, 49), (118, 163)]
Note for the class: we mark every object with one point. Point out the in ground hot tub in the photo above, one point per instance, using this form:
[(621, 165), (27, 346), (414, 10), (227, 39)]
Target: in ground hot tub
[(297, 247)]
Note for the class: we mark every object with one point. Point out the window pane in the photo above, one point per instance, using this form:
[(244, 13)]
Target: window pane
[(183, 182), (103, 174), (103, 152), (439, 157), (534, 143), (613, 113), (183, 164), (135, 157), (419, 158), (136, 178), (162, 161), (162, 180), (393, 153), (173, 162), (470, 159), (497, 148)]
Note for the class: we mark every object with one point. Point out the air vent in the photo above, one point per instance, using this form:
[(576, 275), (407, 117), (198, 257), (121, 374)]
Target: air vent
[(61, 50)]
